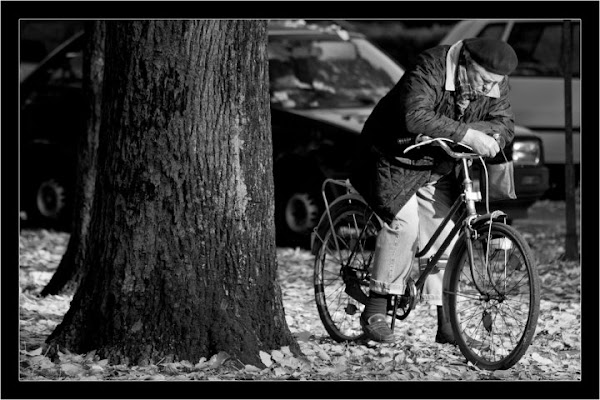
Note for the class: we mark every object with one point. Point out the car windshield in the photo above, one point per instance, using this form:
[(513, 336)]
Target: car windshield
[(328, 72)]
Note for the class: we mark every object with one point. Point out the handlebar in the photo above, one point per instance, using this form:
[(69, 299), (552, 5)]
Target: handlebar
[(441, 142)]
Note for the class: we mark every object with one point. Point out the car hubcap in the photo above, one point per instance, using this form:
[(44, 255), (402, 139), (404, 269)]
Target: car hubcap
[(301, 213)]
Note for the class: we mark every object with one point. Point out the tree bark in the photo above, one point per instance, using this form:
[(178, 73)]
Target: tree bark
[(72, 266), (182, 247)]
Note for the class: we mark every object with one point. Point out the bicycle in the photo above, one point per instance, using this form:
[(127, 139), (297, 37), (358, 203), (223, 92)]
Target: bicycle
[(491, 286)]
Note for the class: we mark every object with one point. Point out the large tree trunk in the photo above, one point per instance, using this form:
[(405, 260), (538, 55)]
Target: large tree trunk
[(73, 264), (182, 246)]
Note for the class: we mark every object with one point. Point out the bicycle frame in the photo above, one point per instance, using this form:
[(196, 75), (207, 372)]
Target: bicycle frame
[(467, 221), (432, 262)]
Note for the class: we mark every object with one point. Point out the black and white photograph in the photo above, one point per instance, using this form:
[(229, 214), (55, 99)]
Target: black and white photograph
[(280, 197)]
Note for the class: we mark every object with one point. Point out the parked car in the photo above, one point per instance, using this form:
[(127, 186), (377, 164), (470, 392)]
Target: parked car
[(324, 82), (52, 117), (537, 85)]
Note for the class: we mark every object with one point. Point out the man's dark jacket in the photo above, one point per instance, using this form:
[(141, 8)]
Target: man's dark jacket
[(419, 104)]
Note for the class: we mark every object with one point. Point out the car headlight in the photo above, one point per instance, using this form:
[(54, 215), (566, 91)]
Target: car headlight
[(526, 152)]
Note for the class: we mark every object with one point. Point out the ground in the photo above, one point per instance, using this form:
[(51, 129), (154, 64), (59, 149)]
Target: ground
[(555, 354)]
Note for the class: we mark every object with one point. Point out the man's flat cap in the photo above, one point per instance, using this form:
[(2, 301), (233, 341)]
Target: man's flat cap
[(494, 55)]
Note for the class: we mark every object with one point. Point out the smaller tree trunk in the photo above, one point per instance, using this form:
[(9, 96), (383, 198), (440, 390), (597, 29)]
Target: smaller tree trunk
[(571, 248), (71, 269)]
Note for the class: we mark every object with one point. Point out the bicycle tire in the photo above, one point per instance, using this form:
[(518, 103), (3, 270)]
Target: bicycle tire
[(340, 293), (493, 310)]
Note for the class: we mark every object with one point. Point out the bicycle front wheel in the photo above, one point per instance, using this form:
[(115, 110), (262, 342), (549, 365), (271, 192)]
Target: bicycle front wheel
[(342, 263), (493, 298)]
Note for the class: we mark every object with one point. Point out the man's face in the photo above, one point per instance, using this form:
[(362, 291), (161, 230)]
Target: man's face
[(480, 79)]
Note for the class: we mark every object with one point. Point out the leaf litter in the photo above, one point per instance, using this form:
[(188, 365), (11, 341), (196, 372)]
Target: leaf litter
[(555, 353)]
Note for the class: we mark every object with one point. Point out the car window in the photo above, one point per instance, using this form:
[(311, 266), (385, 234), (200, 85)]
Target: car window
[(328, 72), (538, 47), (493, 31)]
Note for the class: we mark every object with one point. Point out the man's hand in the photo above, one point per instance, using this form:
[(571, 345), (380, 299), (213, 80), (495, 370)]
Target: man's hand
[(480, 142)]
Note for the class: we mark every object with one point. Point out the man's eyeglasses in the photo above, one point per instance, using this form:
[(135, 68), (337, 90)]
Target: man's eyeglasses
[(478, 69), (486, 82)]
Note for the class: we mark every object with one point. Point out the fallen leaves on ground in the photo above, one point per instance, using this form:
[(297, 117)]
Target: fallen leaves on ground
[(555, 353)]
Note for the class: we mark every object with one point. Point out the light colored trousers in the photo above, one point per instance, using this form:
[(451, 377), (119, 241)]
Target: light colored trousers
[(410, 230)]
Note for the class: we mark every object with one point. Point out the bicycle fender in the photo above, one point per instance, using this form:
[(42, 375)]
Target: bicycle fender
[(323, 224), (484, 219)]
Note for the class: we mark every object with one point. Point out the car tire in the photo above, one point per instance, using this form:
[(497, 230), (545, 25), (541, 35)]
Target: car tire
[(50, 199)]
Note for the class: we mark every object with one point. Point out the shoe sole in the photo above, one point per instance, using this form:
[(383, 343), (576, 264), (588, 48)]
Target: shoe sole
[(371, 336), (390, 340)]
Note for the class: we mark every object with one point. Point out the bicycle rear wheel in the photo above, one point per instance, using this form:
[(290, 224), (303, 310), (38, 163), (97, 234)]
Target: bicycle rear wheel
[(341, 275), (493, 307)]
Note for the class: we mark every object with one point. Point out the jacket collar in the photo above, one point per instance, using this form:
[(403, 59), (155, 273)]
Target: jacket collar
[(452, 64)]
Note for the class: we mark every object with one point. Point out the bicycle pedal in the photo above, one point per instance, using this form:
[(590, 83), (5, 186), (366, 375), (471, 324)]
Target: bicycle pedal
[(351, 309)]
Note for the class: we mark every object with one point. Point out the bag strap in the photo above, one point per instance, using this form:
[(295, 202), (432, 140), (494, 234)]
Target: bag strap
[(496, 136), (506, 159)]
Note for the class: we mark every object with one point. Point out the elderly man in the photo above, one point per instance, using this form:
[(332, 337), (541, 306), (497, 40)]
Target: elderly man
[(457, 92)]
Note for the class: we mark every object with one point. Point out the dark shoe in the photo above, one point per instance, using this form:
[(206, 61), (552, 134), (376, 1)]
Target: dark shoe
[(376, 328), (444, 334), (443, 338)]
